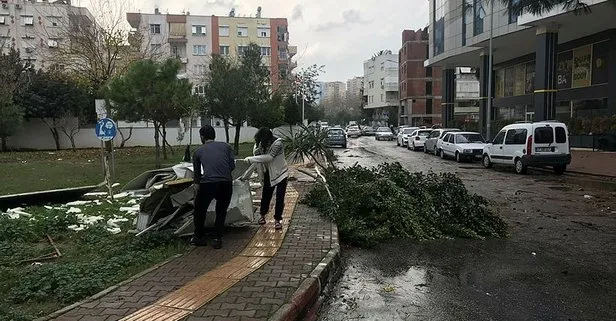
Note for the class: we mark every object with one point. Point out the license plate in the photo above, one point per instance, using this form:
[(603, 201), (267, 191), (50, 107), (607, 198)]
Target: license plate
[(544, 149)]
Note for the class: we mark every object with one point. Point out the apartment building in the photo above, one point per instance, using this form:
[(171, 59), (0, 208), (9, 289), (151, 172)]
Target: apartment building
[(194, 38), (420, 87), (334, 92), (355, 87), (559, 65), (38, 28), (381, 85)]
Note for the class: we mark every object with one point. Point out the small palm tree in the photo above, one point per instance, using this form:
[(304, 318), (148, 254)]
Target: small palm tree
[(308, 144), (542, 6)]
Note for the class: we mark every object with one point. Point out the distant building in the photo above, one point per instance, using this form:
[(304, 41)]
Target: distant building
[(420, 87), (194, 38), (335, 91), (37, 29), (355, 86), (381, 85)]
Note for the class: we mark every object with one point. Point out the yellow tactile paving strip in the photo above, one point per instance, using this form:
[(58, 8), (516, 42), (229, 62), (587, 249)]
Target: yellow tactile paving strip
[(184, 301)]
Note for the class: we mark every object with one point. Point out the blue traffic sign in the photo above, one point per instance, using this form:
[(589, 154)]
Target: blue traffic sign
[(106, 129)]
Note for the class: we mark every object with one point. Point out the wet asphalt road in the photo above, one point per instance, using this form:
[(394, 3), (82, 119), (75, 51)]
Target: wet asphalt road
[(558, 264)]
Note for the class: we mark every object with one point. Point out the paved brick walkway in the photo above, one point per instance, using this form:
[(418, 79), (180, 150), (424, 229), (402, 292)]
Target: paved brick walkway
[(255, 297), (589, 162)]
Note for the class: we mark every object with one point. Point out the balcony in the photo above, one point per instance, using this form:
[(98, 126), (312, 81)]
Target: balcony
[(292, 51), (177, 39), (292, 65)]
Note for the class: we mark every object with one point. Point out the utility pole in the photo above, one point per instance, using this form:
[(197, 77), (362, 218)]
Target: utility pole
[(491, 64)]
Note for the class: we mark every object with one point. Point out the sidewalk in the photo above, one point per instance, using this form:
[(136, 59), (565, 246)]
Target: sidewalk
[(594, 163), (256, 275)]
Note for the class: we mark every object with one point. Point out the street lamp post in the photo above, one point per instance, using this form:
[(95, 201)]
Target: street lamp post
[(490, 67)]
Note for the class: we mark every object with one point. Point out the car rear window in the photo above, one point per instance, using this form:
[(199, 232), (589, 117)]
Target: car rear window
[(561, 135), (544, 135), (336, 131), (424, 133)]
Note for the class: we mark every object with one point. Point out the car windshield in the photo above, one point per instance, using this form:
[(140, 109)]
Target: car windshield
[(353, 128), (335, 131), (383, 129), (469, 138), (424, 133)]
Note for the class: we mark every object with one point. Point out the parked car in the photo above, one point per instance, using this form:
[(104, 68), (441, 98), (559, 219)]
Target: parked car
[(418, 138), (336, 137), (431, 145), (530, 144), (353, 131), (368, 131), (462, 146), (384, 133), (402, 138)]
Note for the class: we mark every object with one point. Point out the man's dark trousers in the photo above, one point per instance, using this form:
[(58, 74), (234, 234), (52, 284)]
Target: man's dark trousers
[(219, 191)]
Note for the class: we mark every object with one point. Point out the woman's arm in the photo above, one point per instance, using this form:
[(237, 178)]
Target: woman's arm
[(276, 149)]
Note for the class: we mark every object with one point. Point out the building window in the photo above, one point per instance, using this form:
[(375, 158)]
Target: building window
[(263, 32), (428, 88), (199, 69), (513, 18), (224, 50), (28, 20), (199, 89), (241, 50), (429, 106), (282, 53), (2, 20), (439, 26), (199, 50), (478, 15), (198, 30), (467, 17), (242, 31), (428, 71), (155, 29), (223, 31), (266, 51)]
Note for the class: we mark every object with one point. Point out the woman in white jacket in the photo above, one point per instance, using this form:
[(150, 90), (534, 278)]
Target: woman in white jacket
[(273, 172)]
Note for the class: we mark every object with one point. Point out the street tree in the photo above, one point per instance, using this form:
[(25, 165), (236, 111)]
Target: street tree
[(151, 91), (13, 76), (270, 114), (59, 101), (292, 111)]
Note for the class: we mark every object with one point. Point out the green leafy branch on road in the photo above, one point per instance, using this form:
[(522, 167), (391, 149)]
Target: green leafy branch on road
[(373, 205)]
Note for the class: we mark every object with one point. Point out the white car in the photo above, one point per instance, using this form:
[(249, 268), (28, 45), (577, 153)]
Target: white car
[(530, 144), (433, 142), (462, 146), (353, 131), (384, 133), (417, 139), (402, 138)]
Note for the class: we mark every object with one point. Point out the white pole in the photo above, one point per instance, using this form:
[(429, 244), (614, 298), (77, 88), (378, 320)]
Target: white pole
[(491, 64)]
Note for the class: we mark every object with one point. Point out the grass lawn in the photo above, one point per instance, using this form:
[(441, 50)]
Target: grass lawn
[(92, 259), (43, 170)]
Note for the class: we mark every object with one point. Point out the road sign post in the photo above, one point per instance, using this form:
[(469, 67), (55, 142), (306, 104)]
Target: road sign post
[(106, 131)]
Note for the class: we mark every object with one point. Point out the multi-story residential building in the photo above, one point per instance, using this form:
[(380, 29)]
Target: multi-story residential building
[(355, 86), (381, 85), (334, 92), (194, 38), (558, 65), (420, 87), (37, 29)]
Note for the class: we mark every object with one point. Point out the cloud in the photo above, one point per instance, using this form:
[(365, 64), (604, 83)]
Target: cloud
[(298, 13), (228, 4), (349, 17)]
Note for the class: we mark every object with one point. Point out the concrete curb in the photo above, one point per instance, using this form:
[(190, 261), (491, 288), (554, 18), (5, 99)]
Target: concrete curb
[(106, 291), (307, 299)]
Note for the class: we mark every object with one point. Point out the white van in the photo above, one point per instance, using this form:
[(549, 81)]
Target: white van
[(521, 145)]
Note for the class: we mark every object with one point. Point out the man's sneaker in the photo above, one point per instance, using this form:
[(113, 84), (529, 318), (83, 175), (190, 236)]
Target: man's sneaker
[(196, 241), (217, 244), (278, 225)]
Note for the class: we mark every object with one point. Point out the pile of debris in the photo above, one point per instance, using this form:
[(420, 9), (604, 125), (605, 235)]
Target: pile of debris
[(169, 198)]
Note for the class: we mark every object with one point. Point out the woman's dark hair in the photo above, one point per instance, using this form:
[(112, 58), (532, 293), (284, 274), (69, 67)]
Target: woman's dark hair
[(264, 138), (207, 132)]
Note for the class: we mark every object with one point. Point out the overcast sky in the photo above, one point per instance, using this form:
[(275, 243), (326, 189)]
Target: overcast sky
[(339, 34)]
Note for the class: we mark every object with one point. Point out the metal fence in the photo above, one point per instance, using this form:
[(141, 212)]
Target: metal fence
[(605, 142)]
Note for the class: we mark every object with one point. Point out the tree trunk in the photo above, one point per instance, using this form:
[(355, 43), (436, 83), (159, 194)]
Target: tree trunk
[(236, 144), (164, 134), (4, 147), (124, 140), (157, 144), (226, 129), (56, 137)]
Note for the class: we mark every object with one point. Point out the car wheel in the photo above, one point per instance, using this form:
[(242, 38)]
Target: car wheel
[(560, 169), (398, 143), (520, 168), (486, 161), (414, 148), (435, 151), (442, 154), (458, 157)]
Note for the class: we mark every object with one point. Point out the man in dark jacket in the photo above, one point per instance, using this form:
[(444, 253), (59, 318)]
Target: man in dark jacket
[(213, 163)]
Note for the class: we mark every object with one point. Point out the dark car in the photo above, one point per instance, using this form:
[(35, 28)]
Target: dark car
[(336, 137), (367, 131)]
